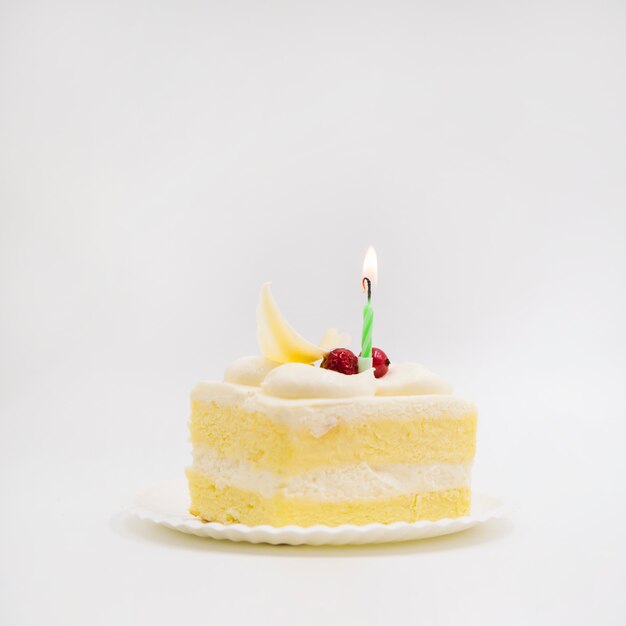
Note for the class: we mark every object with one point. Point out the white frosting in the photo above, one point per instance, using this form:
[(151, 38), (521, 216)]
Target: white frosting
[(297, 380), (411, 379), (249, 370), (300, 381), (353, 482)]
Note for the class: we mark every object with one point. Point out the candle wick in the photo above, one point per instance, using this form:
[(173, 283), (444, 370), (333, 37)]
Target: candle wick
[(369, 287)]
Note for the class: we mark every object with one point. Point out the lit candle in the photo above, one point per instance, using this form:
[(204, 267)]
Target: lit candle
[(370, 276)]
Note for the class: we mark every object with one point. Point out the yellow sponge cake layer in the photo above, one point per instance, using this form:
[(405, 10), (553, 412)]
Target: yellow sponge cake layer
[(230, 504), (238, 433)]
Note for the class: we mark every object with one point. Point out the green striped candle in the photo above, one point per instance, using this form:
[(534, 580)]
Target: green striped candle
[(370, 275), (368, 322)]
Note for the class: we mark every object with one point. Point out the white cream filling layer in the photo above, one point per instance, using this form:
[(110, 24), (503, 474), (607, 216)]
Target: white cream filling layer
[(335, 484)]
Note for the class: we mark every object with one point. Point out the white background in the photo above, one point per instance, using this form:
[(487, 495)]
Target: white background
[(159, 160)]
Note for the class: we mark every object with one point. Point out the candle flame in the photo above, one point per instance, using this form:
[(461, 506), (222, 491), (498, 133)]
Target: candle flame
[(370, 265)]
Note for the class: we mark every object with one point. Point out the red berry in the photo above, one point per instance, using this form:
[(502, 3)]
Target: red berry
[(341, 360), (380, 362)]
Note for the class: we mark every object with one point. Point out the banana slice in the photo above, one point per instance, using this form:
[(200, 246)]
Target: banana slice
[(280, 342)]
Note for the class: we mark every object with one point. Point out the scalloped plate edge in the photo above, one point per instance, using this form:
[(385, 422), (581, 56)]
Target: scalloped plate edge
[(166, 504)]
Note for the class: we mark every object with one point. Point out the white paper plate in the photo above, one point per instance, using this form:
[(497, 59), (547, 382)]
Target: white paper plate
[(166, 504)]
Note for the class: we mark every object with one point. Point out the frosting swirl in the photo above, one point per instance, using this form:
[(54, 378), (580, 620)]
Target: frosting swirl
[(249, 370), (301, 381), (411, 379)]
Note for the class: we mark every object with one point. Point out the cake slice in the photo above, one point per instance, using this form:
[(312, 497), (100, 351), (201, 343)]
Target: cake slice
[(259, 458), (353, 441)]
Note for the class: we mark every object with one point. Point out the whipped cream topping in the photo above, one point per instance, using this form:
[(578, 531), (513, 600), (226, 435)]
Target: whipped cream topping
[(411, 379), (249, 370), (297, 380), (302, 381)]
